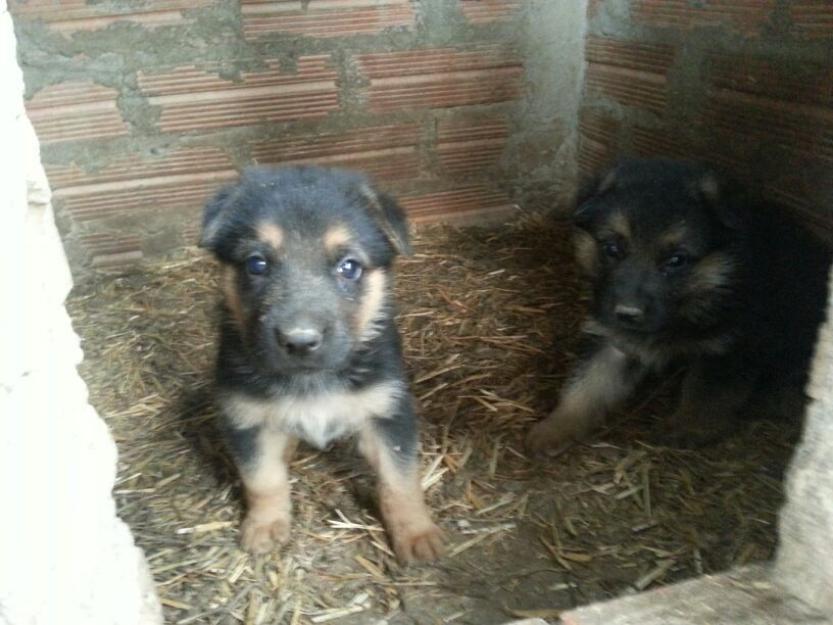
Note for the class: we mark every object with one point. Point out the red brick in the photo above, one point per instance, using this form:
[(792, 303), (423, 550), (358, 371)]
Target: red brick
[(745, 16), (811, 19), (176, 162), (598, 127), (457, 204), (75, 110), (644, 57), (440, 78), (489, 11), (659, 142), (470, 146), (196, 99), (385, 152), (104, 244), (335, 18), (181, 180), (806, 83), (76, 15), (593, 155)]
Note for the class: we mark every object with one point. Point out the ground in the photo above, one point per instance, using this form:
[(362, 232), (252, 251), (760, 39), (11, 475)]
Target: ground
[(490, 318)]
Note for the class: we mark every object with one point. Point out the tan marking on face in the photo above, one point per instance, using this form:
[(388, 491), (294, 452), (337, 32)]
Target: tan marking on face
[(413, 534), (232, 297), (711, 272), (266, 484), (372, 303), (270, 233), (673, 237), (710, 187), (619, 224), (336, 237), (586, 252)]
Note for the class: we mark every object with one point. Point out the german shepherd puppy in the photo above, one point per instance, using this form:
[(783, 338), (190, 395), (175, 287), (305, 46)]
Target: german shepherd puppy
[(687, 270), (308, 349)]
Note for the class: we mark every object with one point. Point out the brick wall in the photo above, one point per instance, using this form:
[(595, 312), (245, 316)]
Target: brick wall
[(747, 84), (144, 108)]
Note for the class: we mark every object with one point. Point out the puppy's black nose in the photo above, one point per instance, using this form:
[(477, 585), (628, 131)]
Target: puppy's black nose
[(300, 341), (629, 315)]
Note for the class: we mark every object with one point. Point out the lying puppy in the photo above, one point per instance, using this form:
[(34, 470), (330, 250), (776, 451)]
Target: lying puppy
[(686, 270), (309, 350)]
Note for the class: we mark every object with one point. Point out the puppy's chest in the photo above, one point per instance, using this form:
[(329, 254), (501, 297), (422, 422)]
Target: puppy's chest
[(319, 418)]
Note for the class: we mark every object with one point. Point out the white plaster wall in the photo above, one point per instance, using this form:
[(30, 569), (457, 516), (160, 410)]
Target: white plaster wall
[(65, 557), (804, 564)]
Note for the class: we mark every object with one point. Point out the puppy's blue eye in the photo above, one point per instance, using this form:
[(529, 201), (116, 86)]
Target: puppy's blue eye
[(256, 265), (612, 249), (676, 261), (349, 269)]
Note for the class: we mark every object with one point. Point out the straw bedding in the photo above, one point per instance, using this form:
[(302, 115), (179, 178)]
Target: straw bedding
[(490, 318)]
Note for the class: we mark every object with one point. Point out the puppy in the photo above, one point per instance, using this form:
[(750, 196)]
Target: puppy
[(686, 270), (308, 347)]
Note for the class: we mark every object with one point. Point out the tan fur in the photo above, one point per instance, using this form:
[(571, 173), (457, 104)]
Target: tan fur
[(710, 187), (712, 272), (413, 534), (336, 237), (673, 237), (232, 297), (317, 419), (270, 233), (266, 484), (586, 252), (372, 304), (619, 224), (376, 207), (585, 401)]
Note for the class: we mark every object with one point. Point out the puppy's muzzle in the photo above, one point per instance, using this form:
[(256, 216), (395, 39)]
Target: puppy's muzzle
[(629, 316), (300, 341)]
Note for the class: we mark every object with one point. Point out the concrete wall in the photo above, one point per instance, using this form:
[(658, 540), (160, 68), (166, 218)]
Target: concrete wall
[(462, 107), (744, 84), (66, 557)]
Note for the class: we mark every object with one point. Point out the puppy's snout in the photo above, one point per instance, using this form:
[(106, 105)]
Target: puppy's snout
[(629, 315), (300, 341)]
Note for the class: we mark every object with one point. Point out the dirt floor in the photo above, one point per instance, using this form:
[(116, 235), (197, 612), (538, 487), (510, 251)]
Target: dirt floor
[(490, 319)]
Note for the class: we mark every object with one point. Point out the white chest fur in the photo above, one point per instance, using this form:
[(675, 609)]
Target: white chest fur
[(318, 419)]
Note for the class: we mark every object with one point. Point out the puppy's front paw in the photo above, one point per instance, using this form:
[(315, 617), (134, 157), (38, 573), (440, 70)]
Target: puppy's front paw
[(556, 432), (418, 542), (258, 536)]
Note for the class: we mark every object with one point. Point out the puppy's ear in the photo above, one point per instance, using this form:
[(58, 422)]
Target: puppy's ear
[(725, 198), (390, 217), (589, 191), (214, 216)]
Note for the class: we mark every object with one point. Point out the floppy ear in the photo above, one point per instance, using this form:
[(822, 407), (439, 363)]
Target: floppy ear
[(214, 216), (590, 190), (725, 198), (390, 217)]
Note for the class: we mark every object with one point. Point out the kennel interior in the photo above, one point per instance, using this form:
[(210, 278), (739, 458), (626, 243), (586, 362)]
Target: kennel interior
[(481, 116)]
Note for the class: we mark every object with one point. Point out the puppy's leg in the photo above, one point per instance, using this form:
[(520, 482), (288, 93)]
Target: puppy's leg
[(602, 381), (390, 447), (265, 475), (713, 392)]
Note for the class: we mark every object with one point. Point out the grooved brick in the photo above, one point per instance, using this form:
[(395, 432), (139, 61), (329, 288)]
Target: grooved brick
[(195, 99), (646, 57), (470, 146), (659, 142), (385, 152), (745, 16), (440, 78), (597, 127), (627, 86), (75, 110), (76, 15), (462, 202), (811, 19), (180, 161), (809, 84), (330, 18), (593, 155), (488, 11)]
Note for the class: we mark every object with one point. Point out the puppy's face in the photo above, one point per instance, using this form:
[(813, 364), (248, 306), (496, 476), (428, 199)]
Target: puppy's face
[(658, 239), (306, 254)]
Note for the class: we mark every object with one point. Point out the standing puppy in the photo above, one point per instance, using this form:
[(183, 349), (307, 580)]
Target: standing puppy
[(686, 270), (309, 350)]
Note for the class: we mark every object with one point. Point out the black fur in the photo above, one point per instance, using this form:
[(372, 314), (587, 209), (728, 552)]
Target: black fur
[(687, 268)]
